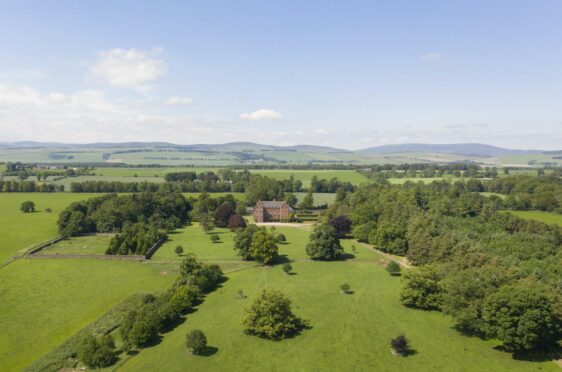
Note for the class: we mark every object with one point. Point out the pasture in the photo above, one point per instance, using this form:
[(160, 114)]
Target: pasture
[(546, 217), (90, 244), (348, 332), (43, 302), (21, 230)]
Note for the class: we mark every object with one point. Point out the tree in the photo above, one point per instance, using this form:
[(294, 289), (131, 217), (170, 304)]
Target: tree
[(178, 250), (291, 199), (264, 247), (27, 207), (308, 201), (205, 222), (287, 268), (236, 221), (96, 352), (243, 240), (345, 288), (215, 238), (519, 316), (196, 342), (324, 243), (400, 345), (422, 289), (342, 225), (393, 268), (270, 316), (340, 194), (223, 213), (281, 238)]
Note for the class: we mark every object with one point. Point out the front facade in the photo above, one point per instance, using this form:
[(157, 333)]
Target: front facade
[(271, 211)]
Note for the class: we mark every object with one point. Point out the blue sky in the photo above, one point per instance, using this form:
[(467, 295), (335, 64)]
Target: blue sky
[(349, 74)]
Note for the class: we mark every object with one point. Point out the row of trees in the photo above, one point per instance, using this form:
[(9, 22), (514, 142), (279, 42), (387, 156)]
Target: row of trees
[(29, 186), (497, 275), (135, 238)]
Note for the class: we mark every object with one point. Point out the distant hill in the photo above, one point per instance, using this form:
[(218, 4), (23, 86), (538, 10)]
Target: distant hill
[(466, 149)]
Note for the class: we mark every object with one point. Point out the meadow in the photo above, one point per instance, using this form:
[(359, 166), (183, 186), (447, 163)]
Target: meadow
[(545, 217), (21, 230), (90, 244), (347, 332)]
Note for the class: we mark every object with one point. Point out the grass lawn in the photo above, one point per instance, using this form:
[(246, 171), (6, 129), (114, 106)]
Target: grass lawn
[(20, 230), (545, 217), (43, 302), (348, 332), (488, 194), (91, 244)]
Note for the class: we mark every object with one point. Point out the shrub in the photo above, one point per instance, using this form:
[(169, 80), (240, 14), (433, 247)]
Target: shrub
[(215, 238), (287, 268), (393, 268), (345, 288), (96, 352), (281, 238), (270, 316), (178, 250), (400, 345), (27, 207), (240, 294), (48, 210), (196, 342)]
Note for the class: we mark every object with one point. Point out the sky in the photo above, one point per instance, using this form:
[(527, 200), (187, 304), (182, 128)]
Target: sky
[(348, 74)]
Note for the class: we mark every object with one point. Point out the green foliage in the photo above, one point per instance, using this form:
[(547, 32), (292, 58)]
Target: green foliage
[(178, 250), (194, 273), (287, 268), (97, 352), (215, 238), (264, 247), (308, 201), (520, 316), (393, 268), (422, 289), (400, 345), (270, 316), (345, 288), (236, 221), (27, 207), (281, 238), (135, 238), (195, 341), (223, 214), (389, 237), (243, 241), (324, 243)]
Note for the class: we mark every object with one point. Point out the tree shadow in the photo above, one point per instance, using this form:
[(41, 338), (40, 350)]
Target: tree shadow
[(544, 355), (171, 325), (209, 351), (281, 259)]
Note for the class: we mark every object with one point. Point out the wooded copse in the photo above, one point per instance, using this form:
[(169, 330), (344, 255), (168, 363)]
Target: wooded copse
[(471, 256)]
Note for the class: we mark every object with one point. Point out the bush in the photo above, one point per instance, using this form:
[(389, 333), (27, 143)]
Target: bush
[(270, 316), (196, 342), (281, 238), (48, 210), (178, 250), (96, 352), (345, 288), (27, 207), (215, 238), (287, 268), (400, 345), (393, 268)]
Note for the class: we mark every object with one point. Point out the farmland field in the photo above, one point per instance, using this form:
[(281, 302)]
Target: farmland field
[(46, 301), (20, 230), (545, 217)]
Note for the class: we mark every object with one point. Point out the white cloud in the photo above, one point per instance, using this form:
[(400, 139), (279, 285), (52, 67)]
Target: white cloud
[(263, 114), (179, 101), (321, 131), (127, 68), (432, 57)]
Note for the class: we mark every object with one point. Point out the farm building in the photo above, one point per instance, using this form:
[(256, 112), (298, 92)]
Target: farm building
[(269, 211)]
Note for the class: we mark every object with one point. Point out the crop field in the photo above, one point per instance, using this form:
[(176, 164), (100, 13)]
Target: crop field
[(545, 217), (91, 244), (400, 181), (20, 230), (347, 332), (46, 301)]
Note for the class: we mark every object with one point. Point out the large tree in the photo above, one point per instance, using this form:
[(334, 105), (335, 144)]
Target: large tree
[(342, 225), (223, 213), (264, 247), (422, 289), (324, 243), (270, 316), (243, 241)]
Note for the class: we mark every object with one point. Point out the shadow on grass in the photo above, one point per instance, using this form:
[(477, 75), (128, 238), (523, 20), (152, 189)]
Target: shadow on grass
[(281, 259), (544, 355), (209, 351)]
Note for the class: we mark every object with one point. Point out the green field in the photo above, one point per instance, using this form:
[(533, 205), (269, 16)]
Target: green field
[(46, 301), (91, 244), (545, 217), (20, 230), (348, 332), (401, 181)]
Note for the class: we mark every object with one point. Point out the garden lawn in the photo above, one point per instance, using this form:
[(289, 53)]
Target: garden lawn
[(20, 230), (348, 332), (43, 302), (546, 217)]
